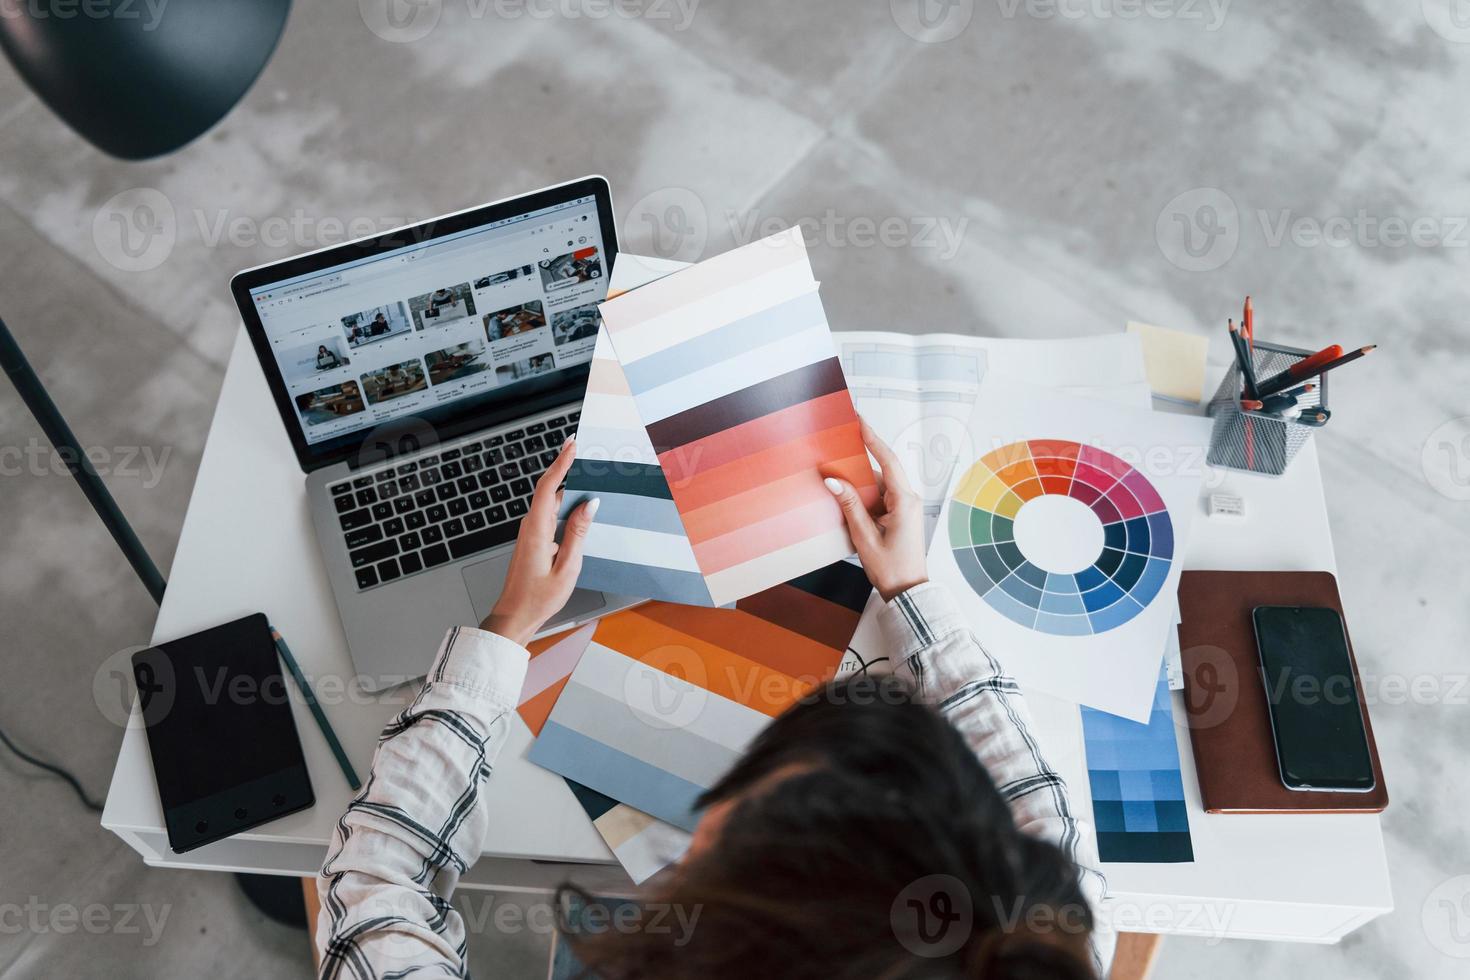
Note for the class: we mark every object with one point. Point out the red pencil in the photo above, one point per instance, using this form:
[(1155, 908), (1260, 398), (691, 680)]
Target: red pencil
[(1245, 355), (1307, 366)]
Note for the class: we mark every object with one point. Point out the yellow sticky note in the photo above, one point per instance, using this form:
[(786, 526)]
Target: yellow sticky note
[(1174, 361)]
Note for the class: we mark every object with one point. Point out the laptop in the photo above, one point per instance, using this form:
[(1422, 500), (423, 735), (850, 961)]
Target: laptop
[(426, 376)]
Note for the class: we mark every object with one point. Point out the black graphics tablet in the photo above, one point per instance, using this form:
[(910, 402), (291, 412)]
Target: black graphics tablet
[(225, 750)]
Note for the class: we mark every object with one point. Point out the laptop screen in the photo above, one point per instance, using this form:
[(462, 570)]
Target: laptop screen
[(438, 323)]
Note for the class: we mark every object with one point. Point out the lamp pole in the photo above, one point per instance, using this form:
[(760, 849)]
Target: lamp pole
[(34, 394)]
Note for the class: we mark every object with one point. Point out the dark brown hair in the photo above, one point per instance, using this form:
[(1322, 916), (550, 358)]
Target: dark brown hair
[(868, 841)]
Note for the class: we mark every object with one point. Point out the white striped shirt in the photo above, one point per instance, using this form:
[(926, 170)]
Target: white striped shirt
[(419, 822)]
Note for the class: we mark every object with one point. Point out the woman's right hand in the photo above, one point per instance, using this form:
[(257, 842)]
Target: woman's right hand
[(542, 573), (890, 545)]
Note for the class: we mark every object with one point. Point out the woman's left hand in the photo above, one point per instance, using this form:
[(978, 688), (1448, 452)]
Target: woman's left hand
[(542, 572)]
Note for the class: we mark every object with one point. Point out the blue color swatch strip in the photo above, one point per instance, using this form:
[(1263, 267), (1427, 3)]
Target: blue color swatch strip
[(1137, 790), (609, 771)]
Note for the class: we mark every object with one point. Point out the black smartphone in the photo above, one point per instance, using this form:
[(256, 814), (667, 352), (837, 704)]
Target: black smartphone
[(1312, 695), (225, 750)]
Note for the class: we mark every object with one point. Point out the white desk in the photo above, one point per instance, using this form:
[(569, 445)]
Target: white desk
[(247, 546), (1295, 877)]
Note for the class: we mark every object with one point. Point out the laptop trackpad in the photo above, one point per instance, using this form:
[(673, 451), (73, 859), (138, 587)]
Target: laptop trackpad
[(485, 579)]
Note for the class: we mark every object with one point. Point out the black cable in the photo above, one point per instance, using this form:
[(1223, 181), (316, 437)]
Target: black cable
[(87, 801), (865, 664)]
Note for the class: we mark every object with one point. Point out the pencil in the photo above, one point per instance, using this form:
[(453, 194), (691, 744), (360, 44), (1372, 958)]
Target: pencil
[(316, 710), (1347, 358), (1248, 379), (1248, 332), (1243, 359), (1304, 368)]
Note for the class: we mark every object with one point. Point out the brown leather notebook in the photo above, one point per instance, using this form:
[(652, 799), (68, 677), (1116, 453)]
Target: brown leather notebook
[(1230, 728)]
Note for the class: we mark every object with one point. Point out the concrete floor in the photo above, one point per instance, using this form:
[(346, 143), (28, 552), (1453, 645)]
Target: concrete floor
[(1036, 166)]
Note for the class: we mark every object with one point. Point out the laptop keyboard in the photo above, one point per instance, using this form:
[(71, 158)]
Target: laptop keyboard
[(445, 506)]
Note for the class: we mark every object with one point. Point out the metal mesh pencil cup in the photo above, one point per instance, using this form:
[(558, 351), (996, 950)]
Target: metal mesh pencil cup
[(1259, 442)]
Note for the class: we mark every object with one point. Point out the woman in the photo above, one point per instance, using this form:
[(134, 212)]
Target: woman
[(896, 827)]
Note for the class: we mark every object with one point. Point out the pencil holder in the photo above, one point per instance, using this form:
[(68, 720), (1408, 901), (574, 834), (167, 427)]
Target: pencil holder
[(1259, 442)]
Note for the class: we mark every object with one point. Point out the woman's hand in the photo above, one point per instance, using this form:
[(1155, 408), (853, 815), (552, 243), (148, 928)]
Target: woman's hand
[(891, 546), (542, 573)]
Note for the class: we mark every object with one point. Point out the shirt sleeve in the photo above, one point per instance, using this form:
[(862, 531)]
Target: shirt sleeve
[(418, 823), (934, 648)]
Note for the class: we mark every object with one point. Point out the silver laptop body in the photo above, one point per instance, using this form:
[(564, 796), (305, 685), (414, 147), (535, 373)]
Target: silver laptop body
[(426, 377)]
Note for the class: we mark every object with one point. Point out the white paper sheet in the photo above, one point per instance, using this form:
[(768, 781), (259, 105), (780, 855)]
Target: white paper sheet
[(917, 391)]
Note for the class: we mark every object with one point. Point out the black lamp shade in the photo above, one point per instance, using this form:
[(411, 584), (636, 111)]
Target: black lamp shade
[(138, 80)]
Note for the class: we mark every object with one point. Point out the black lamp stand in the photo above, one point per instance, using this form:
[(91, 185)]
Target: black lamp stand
[(34, 394)]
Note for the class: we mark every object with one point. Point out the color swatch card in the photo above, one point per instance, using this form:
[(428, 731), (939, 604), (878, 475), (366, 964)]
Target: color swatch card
[(1061, 539), (637, 545), (822, 605), (666, 697), (1137, 790), (642, 844), (553, 658), (732, 371)]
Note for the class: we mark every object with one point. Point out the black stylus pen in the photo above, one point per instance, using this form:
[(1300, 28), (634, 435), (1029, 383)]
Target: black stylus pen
[(316, 710)]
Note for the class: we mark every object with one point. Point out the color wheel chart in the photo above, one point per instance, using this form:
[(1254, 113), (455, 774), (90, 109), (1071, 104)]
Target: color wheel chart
[(1060, 537)]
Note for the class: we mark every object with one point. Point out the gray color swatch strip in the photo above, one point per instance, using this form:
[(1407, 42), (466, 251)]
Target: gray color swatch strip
[(657, 740), (626, 578), (647, 513)]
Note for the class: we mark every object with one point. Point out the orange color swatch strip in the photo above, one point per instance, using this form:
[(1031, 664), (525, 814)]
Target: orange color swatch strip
[(805, 453), (743, 509), (534, 711), (725, 673), (755, 639), (780, 530)]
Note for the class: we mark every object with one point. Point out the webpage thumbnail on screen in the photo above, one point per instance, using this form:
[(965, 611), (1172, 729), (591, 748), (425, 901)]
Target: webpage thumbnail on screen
[(430, 324)]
